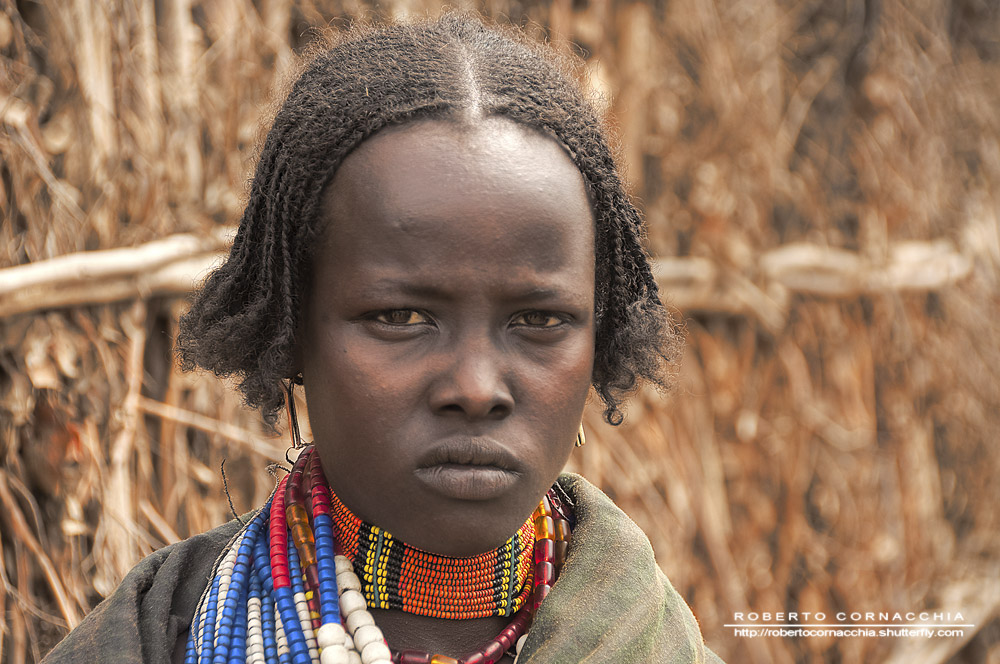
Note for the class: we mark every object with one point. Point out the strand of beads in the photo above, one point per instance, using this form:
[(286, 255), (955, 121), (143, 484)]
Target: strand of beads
[(551, 537), (323, 528), (549, 525), (279, 593), (316, 587), (301, 535), (365, 635), (307, 622), (268, 601), (284, 594), (255, 625), (321, 581), (275, 649), (331, 636), (220, 630), (231, 634)]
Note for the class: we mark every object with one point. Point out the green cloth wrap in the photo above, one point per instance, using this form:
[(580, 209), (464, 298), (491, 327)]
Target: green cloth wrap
[(611, 602)]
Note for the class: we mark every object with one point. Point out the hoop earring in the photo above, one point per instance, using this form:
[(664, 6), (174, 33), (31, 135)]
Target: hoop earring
[(581, 437)]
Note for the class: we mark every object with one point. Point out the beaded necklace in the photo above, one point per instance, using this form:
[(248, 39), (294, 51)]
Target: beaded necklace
[(281, 593), (397, 576)]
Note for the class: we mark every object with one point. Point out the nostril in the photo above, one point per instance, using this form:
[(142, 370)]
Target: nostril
[(497, 411), (500, 410), (475, 406)]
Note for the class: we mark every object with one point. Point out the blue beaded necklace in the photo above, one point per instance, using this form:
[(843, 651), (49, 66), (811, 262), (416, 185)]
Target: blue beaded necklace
[(281, 594)]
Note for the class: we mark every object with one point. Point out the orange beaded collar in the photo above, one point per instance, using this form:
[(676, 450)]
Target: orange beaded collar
[(395, 575)]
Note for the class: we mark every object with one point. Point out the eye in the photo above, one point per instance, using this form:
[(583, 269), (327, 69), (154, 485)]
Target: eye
[(538, 319), (400, 317)]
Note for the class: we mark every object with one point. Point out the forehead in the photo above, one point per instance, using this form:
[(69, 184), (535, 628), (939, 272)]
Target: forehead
[(425, 188), (406, 169)]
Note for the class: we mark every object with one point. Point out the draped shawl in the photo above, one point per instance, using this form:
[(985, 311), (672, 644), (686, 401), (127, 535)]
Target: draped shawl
[(611, 602)]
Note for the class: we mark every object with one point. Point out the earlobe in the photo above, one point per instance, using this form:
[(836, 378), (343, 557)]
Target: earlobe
[(295, 370), (294, 373)]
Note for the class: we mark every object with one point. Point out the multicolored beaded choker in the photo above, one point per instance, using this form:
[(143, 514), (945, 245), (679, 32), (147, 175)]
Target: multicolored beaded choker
[(288, 591), (395, 575)]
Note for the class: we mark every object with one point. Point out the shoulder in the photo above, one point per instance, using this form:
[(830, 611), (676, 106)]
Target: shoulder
[(154, 603), (612, 603)]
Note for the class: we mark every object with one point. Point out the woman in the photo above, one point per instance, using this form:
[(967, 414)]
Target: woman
[(438, 247)]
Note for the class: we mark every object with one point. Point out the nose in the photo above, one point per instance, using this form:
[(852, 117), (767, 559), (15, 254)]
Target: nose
[(473, 383)]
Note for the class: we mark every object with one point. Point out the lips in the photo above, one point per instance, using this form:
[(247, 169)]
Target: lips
[(468, 469)]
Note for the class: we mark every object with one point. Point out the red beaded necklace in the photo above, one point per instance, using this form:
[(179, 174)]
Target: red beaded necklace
[(511, 580)]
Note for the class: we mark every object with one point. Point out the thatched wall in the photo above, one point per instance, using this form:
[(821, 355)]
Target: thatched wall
[(822, 176)]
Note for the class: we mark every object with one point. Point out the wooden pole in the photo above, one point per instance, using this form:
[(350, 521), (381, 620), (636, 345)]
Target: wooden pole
[(175, 265)]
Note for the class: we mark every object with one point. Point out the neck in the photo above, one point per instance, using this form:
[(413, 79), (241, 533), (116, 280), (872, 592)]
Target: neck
[(407, 631), (395, 575)]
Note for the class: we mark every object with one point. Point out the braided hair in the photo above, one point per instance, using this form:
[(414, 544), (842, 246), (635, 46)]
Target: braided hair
[(244, 320)]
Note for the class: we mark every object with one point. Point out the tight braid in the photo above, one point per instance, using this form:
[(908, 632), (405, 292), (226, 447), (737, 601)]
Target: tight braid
[(244, 320)]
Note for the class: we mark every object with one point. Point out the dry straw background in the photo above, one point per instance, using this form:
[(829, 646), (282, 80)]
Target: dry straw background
[(821, 182)]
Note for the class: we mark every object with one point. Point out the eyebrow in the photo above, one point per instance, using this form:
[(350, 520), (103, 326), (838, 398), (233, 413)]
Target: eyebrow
[(537, 293), (390, 287)]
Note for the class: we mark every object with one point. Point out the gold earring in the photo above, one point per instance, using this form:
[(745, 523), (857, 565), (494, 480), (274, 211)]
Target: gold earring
[(581, 437)]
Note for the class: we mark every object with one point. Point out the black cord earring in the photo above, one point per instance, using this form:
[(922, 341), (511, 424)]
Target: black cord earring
[(293, 420)]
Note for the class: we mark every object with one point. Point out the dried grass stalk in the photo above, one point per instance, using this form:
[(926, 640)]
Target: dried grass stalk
[(820, 182)]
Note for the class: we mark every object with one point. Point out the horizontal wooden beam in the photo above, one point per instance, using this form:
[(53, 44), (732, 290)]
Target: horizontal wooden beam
[(175, 265), (699, 284), (108, 264)]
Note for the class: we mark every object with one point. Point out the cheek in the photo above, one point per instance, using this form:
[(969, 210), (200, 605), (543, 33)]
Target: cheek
[(571, 364), (349, 381), (558, 385)]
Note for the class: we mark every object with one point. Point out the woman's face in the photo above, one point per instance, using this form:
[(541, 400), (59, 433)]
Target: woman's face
[(448, 338)]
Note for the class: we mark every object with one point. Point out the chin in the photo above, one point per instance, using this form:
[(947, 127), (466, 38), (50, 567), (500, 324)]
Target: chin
[(466, 528)]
